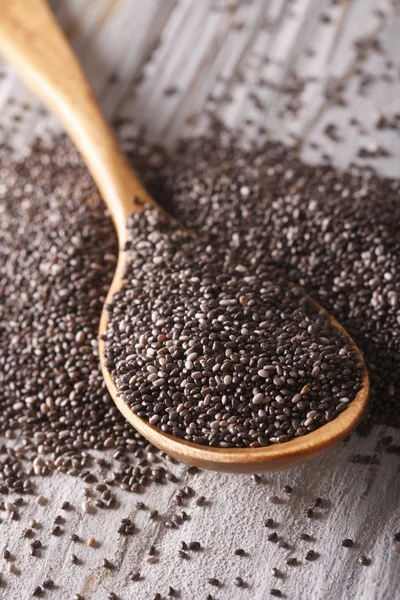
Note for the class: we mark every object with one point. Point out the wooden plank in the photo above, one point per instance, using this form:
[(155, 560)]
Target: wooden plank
[(210, 48)]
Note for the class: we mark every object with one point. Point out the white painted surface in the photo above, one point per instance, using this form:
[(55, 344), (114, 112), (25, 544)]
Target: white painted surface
[(201, 51)]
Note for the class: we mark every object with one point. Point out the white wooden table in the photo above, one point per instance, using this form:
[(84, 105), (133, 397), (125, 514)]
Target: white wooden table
[(132, 51)]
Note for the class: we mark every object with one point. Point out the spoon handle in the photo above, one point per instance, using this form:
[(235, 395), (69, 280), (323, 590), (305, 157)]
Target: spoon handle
[(34, 44)]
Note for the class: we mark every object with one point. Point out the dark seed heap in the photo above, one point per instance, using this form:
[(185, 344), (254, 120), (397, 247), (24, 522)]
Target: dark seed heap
[(57, 258), (208, 342)]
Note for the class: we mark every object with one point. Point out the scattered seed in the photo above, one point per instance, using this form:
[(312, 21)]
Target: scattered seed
[(48, 584), (38, 591), (107, 564), (269, 522), (194, 546), (171, 592), (363, 560), (273, 499)]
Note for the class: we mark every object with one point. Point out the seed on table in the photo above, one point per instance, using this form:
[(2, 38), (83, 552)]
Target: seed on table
[(309, 513), (153, 514), (9, 506), (140, 505), (13, 569), (150, 558), (183, 554), (56, 530), (92, 543), (256, 478), (213, 581), (38, 591), (78, 597), (87, 506), (48, 584), (363, 560), (112, 596), (284, 545), (347, 543), (65, 505), (135, 576), (74, 559), (240, 552), (396, 536), (275, 572), (311, 555), (41, 500), (306, 537), (292, 561), (273, 499), (74, 537), (194, 546), (275, 592), (269, 522), (171, 592), (287, 489), (272, 537), (318, 502), (59, 520), (107, 564), (157, 596), (201, 501), (6, 554), (238, 581)]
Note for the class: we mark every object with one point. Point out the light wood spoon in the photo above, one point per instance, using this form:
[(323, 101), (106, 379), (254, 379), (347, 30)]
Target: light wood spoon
[(32, 41)]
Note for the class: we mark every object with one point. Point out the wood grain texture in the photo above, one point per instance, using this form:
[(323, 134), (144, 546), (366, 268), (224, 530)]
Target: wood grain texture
[(201, 51)]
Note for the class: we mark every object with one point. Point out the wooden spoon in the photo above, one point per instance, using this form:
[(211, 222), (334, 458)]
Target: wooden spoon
[(32, 41)]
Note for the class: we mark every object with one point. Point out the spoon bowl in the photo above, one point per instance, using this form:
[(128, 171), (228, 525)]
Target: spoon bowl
[(39, 51)]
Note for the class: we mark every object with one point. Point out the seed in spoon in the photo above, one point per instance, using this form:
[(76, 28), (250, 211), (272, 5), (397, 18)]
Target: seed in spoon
[(222, 372)]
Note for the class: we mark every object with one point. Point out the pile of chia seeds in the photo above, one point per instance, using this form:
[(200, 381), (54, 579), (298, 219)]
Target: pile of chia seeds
[(334, 234), (207, 341)]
